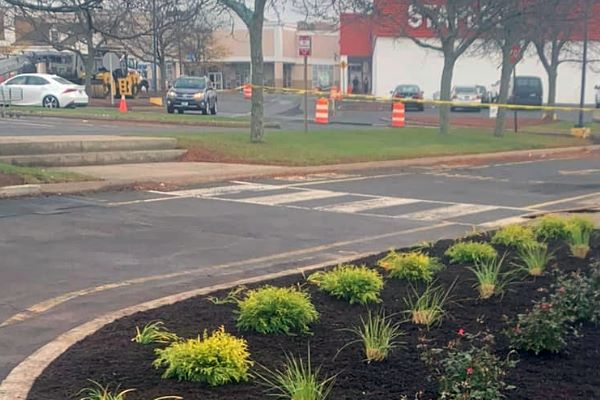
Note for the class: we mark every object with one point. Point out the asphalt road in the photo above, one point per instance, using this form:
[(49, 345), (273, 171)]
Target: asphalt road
[(66, 260)]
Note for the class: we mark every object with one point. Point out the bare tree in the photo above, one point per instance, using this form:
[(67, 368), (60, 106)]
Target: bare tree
[(200, 45), (58, 6), (253, 16)]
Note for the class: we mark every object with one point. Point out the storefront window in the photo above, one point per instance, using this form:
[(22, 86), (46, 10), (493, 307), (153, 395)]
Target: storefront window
[(322, 76)]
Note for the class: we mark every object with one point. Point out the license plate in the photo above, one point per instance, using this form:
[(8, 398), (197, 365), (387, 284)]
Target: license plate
[(184, 103)]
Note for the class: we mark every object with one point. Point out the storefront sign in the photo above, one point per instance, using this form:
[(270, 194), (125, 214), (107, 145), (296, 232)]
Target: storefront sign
[(304, 46)]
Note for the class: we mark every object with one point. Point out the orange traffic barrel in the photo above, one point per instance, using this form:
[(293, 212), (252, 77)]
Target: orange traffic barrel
[(322, 111), (398, 115), (335, 94), (247, 91)]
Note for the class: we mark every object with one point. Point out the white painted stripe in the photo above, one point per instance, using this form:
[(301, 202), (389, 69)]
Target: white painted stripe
[(363, 205), (442, 213), (503, 222), (220, 190), (303, 195)]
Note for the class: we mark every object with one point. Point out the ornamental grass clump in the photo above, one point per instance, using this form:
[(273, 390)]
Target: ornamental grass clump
[(100, 392), (427, 307), (353, 284), (378, 336), (297, 380), (579, 240), (215, 359), (517, 236), (413, 266), (277, 310), (491, 280), (534, 259), (469, 252), (154, 332)]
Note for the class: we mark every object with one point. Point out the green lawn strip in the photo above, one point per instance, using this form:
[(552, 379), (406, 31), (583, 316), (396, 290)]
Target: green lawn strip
[(560, 127), (345, 146), (155, 115), (34, 175)]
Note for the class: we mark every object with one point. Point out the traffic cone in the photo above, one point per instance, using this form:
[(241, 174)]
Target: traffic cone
[(398, 115), (247, 92), (123, 104), (322, 111)]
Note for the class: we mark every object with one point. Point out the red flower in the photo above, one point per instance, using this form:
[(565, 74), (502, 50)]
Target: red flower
[(461, 332), (469, 371), (561, 290), (545, 306)]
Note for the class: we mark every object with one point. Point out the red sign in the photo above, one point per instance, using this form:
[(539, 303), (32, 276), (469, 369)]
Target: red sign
[(304, 46)]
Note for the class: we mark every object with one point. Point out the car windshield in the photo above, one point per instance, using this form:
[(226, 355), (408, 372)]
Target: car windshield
[(190, 83), (407, 89), (62, 81), (465, 90)]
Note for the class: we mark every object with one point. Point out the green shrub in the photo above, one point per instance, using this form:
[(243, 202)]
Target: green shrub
[(551, 227), (583, 223), (577, 295), (469, 252), (354, 284), (413, 266), (543, 329), (517, 236), (276, 310), (469, 369), (215, 359)]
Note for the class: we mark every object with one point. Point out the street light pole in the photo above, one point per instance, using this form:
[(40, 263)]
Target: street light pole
[(154, 70), (586, 28)]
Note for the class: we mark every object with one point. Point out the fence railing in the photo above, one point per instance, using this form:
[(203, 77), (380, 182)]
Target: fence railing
[(8, 96)]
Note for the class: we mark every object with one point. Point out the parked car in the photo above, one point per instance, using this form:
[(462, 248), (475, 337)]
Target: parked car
[(484, 93), (409, 92), (465, 98), (597, 87), (192, 93), (50, 91), (526, 90)]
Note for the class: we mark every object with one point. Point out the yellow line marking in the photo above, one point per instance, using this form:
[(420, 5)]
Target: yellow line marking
[(49, 304)]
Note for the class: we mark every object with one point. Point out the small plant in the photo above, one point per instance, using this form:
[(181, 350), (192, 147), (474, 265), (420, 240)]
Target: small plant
[(534, 259), (577, 295), (215, 359), (354, 284), (490, 278), (154, 332), (551, 227), (579, 240), (427, 307), (469, 252), (583, 223), (468, 369), (378, 336), (233, 297), (100, 392), (413, 266), (296, 381), (276, 310), (543, 329), (518, 236)]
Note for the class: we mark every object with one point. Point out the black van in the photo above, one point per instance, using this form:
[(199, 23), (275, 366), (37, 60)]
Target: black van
[(527, 91)]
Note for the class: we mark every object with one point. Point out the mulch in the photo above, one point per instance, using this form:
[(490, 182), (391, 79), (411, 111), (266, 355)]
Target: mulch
[(109, 356), (10, 180)]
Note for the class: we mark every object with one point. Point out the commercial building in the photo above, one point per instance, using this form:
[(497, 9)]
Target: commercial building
[(378, 48)]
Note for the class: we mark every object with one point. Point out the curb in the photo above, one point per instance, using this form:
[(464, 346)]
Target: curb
[(20, 190), (18, 383)]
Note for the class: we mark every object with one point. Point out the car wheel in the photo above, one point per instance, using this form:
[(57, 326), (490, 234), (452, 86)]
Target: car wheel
[(170, 110), (180, 111), (50, 102), (213, 109)]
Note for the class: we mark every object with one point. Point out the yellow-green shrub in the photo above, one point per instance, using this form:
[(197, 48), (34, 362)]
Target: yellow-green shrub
[(215, 359), (469, 252), (515, 236), (551, 227), (354, 284), (413, 266), (276, 310)]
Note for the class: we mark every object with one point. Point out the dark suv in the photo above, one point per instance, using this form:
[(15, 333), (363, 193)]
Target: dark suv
[(192, 93)]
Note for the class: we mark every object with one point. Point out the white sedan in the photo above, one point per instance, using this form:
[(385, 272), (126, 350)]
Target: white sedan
[(45, 90)]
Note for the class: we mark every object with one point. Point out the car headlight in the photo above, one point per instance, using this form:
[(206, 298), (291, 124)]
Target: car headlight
[(199, 96), (171, 93)]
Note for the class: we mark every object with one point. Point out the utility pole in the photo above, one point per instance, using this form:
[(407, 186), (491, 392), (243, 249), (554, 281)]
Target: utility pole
[(586, 28), (154, 45)]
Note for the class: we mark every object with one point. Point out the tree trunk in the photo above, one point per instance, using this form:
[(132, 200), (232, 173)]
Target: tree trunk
[(257, 71), (552, 81), (445, 90), (88, 63), (162, 83), (505, 76)]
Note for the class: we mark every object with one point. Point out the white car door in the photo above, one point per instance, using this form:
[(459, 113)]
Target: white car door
[(36, 88), (13, 90)]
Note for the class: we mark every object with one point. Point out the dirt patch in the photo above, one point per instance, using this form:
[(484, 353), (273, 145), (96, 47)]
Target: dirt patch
[(203, 154), (110, 356), (10, 180)]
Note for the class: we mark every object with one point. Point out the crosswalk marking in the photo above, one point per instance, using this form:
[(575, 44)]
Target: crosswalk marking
[(370, 204), (303, 195), (442, 213), (220, 190), (503, 222)]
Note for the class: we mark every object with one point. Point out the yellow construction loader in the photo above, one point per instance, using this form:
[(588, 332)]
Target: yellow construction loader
[(128, 81)]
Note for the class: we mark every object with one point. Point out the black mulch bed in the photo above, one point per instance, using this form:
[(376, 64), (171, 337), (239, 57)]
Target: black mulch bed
[(109, 356)]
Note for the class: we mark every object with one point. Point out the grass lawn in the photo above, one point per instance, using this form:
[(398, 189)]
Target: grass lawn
[(33, 175), (156, 114), (343, 146), (561, 127)]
